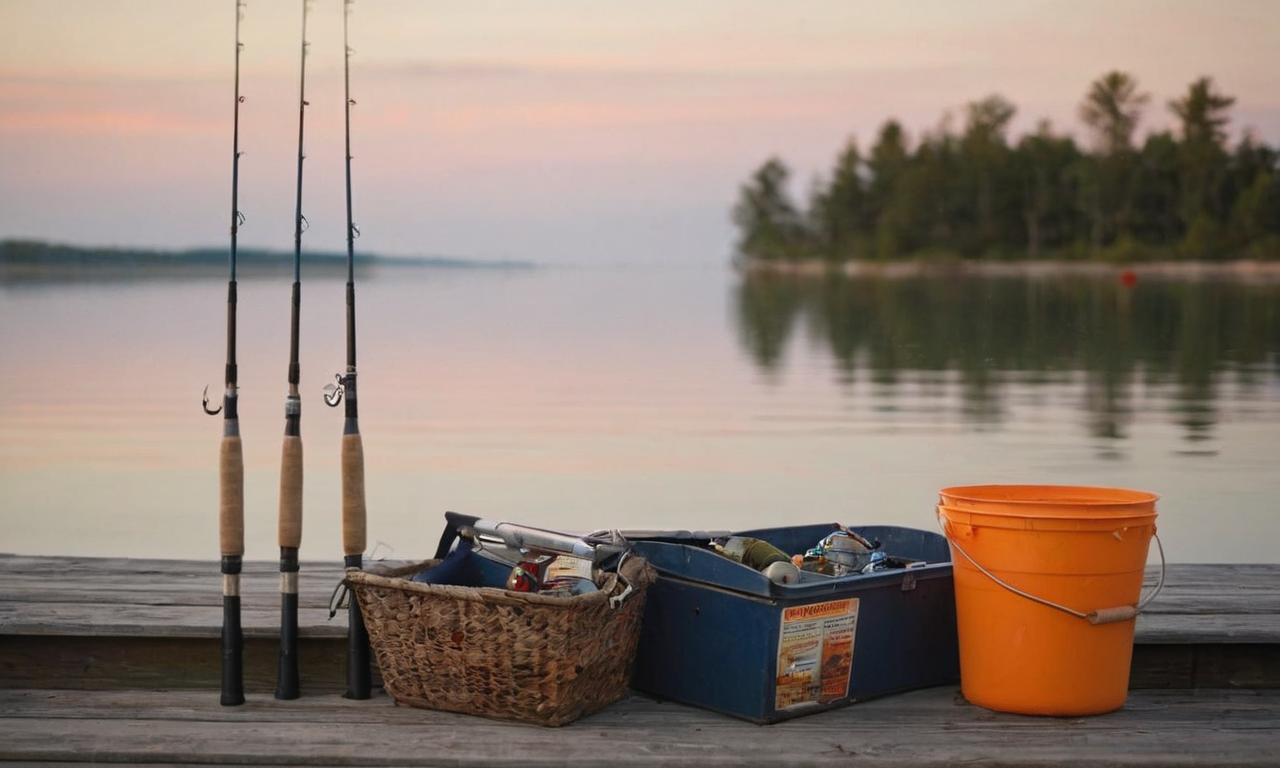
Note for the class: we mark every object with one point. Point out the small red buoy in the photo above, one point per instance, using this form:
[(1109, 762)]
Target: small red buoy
[(1128, 278)]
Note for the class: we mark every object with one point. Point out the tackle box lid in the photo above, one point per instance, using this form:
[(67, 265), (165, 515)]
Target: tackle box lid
[(696, 563)]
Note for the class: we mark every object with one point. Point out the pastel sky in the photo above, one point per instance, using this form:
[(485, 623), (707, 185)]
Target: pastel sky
[(577, 131)]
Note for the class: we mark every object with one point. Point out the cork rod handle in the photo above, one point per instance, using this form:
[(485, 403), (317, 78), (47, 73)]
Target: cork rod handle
[(231, 492), (353, 507), (290, 523)]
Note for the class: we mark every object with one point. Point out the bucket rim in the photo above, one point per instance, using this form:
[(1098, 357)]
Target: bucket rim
[(980, 494), (981, 518)]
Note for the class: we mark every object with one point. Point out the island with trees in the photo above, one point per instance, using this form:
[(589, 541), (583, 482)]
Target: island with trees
[(978, 195)]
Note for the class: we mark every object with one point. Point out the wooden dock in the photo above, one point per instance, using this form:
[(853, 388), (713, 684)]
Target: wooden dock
[(115, 660)]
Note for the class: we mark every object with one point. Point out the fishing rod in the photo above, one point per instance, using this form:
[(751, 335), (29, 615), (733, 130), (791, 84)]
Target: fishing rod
[(290, 522), (353, 500), (230, 454)]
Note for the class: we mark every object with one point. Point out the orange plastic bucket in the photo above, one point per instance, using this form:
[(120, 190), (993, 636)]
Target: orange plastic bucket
[(1048, 580)]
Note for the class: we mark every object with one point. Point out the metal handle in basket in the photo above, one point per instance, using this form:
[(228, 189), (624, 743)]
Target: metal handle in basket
[(616, 601), (596, 547)]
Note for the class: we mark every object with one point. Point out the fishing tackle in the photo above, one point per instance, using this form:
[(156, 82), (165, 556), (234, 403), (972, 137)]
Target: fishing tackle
[(528, 545), (845, 552), (230, 454), (521, 580), (759, 554), (566, 576), (354, 524), (290, 520)]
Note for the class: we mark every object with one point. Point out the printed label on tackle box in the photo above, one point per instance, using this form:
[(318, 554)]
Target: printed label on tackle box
[(815, 653)]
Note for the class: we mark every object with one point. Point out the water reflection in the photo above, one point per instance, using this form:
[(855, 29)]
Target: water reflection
[(1187, 339)]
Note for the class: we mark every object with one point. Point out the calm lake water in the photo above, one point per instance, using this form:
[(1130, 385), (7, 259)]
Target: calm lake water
[(642, 397)]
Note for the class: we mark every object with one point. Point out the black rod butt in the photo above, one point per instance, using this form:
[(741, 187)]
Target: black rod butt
[(358, 674), (287, 670), (232, 653), (359, 677), (287, 685)]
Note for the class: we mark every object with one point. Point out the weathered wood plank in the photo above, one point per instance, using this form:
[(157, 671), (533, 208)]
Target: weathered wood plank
[(1217, 578), (178, 598), (1179, 629), (10, 563), (169, 662), (105, 622), (94, 663), (924, 728), (111, 597), (1235, 665), (1169, 707), (93, 620), (122, 588)]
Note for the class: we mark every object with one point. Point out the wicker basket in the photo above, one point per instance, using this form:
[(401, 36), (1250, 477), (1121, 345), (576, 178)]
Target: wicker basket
[(509, 655)]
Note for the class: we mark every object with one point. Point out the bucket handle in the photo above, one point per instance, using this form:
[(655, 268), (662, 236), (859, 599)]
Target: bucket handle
[(1100, 616)]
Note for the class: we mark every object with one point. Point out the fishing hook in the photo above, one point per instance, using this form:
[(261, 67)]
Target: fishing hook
[(333, 392), (205, 403), (303, 223), (355, 231)]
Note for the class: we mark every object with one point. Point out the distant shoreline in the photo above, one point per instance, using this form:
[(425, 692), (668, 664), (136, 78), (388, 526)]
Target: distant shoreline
[(1246, 270), (34, 259)]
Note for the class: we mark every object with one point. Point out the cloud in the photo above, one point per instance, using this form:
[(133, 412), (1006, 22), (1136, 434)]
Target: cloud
[(586, 69)]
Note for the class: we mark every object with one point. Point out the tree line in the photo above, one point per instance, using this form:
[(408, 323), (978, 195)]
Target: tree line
[(977, 194)]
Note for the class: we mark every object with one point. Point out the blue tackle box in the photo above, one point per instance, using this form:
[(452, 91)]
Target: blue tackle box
[(719, 635)]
